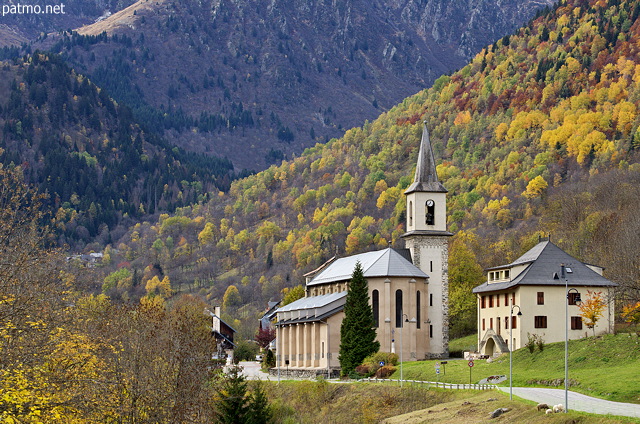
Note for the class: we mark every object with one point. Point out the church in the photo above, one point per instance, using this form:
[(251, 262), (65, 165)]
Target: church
[(408, 289)]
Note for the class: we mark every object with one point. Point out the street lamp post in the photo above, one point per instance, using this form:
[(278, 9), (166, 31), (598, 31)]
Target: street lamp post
[(405, 319), (401, 349), (566, 338), (511, 346)]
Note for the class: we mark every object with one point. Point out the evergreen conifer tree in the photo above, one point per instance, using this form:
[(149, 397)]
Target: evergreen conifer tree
[(357, 332), (233, 406), (260, 410)]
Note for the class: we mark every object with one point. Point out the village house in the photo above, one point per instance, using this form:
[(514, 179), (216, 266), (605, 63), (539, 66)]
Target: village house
[(408, 289), (536, 285)]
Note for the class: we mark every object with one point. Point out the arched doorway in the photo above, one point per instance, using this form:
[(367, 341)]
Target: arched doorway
[(489, 347)]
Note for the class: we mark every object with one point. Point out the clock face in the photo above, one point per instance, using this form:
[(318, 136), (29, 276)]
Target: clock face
[(430, 203)]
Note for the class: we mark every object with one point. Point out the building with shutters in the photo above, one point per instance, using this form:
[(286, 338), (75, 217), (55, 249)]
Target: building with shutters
[(537, 284)]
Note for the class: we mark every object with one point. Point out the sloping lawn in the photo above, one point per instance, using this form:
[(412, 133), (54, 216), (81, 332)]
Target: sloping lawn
[(607, 367)]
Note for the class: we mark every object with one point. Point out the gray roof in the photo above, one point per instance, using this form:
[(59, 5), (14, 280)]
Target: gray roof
[(426, 178), (380, 263), (313, 302), (314, 308), (544, 263)]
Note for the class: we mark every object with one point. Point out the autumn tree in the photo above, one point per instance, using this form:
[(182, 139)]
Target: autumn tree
[(264, 336), (464, 274), (357, 331), (231, 298), (631, 313), (292, 294), (591, 309)]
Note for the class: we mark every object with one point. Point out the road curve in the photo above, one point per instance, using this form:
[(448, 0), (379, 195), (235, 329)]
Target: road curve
[(577, 401)]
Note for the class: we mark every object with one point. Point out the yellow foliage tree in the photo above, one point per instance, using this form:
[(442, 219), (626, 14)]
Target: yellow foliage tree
[(156, 287), (535, 188)]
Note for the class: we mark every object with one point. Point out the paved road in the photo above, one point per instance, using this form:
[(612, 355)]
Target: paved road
[(577, 401), (251, 370)]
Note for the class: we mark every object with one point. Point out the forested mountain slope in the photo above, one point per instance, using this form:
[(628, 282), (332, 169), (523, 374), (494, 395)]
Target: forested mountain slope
[(87, 152), (257, 81), (24, 22), (538, 134)]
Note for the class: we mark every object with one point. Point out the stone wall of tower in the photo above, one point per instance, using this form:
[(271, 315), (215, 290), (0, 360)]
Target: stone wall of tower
[(431, 255)]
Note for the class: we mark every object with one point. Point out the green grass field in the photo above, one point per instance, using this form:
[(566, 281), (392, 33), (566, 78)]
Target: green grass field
[(607, 367)]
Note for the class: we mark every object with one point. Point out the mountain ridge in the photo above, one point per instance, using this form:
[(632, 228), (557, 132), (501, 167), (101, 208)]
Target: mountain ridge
[(278, 76)]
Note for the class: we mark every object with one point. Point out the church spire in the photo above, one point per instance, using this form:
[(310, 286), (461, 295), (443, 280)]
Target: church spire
[(426, 178)]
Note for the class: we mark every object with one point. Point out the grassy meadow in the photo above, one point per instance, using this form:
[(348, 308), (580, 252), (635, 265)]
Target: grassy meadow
[(311, 402), (606, 367)]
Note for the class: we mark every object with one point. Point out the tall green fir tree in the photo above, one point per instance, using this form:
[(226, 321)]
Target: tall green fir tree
[(357, 332)]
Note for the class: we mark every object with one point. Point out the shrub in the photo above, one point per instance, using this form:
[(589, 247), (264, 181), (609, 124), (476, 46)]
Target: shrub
[(531, 342), (540, 343), (364, 370), (245, 351), (385, 372)]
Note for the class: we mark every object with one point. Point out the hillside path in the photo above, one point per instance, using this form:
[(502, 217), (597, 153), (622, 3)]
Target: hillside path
[(577, 401)]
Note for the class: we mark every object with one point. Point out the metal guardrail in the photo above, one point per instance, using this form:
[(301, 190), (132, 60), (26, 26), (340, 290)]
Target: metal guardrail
[(434, 384)]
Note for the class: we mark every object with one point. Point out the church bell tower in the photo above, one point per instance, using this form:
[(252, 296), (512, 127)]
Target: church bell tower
[(427, 240)]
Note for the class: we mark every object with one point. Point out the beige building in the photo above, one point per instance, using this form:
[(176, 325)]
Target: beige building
[(537, 283), (408, 289)]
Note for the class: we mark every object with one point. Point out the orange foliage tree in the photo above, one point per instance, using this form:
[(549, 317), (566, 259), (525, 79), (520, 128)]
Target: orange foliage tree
[(631, 313), (591, 309)]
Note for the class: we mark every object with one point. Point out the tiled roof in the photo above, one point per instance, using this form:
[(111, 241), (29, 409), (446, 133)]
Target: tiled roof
[(545, 262), (380, 263)]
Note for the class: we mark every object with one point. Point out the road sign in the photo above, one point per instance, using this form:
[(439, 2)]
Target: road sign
[(471, 363), (381, 363)]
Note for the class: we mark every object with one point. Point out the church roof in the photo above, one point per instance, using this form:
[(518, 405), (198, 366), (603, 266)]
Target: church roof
[(311, 309), (544, 267), (426, 178), (380, 263)]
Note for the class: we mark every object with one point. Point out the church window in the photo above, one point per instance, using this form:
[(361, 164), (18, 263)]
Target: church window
[(375, 301), (411, 214), (430, 214), (418, 309), (431, 266), (430, 299), (431, 331), (399, 308)]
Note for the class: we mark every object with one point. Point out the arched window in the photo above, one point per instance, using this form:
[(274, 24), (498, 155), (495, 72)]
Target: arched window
[(410, 214), (418, 308), (430, 208), (375, 303), (398, 308)]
